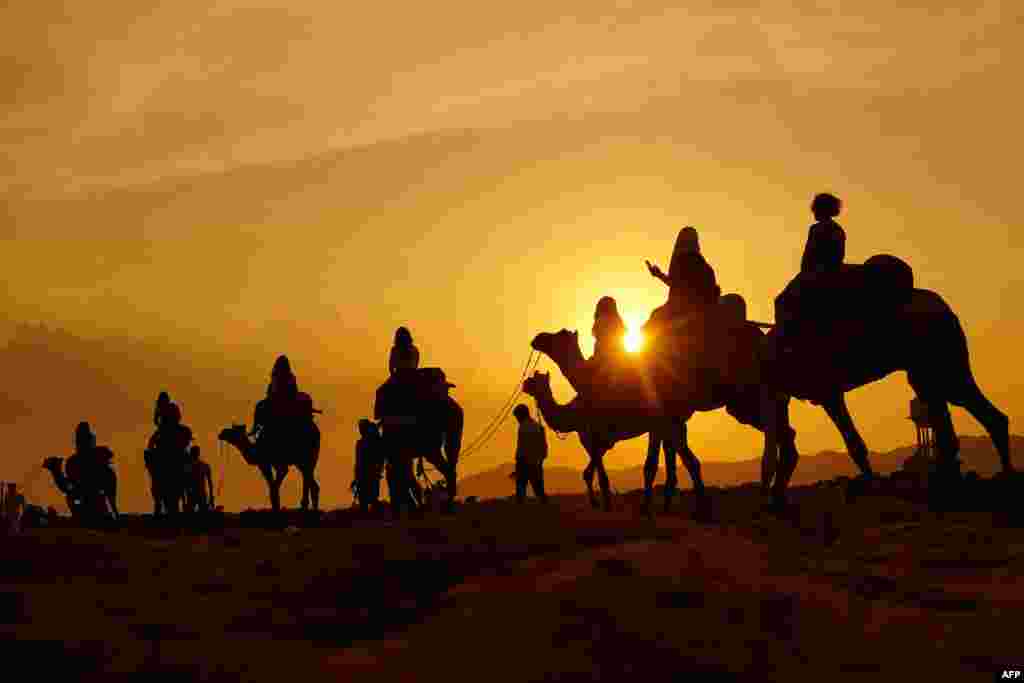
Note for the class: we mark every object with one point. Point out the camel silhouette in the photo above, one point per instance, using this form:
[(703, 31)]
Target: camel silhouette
[(420, 419), (166, 467), (572, 417), (919, 334), (91, 500), (274, 459)]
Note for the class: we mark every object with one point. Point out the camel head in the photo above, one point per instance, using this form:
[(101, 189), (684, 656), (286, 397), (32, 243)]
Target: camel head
[(234, 435), (54, 464), (563, 346), (538, 386)]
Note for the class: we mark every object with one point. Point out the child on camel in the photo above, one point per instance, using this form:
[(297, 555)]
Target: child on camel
[(822, 259)]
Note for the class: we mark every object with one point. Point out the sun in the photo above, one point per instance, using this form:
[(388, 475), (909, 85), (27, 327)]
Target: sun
[(634, 340)]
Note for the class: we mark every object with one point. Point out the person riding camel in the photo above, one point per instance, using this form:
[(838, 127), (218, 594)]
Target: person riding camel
[(172, 434), (821, 261), (609, 331), (691, 279), (609, 339), (163, 403), (693, 292), (404, 354), (82, 468), (284, 403)]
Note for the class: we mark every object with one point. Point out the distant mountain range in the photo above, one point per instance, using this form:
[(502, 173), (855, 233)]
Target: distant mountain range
[(976, 453)]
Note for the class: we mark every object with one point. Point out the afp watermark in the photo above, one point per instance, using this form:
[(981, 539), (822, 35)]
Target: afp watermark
[(1010, 675)]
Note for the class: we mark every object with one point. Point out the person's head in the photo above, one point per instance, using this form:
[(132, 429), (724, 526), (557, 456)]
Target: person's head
[(606, 306), (367, 428), (163, 399), (521, 412), (403, 337), (84, 438), (173, 414), (825, 206), (282, 366), (194, 453), (688, 242)]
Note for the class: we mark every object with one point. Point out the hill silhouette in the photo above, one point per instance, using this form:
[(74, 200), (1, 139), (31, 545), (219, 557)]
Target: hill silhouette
[(976, 453)]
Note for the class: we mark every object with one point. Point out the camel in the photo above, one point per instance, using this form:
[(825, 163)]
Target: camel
[(671, 432), (920, 335), (166, 469), (86, 501), (571, 417), (419, 415), (274, 460), (739, 390)]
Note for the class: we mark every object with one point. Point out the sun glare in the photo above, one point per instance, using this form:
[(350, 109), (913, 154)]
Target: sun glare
[(634, 340)]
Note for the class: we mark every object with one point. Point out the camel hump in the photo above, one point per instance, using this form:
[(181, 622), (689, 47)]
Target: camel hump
[(927, 302), (733, 310), (890, 275)]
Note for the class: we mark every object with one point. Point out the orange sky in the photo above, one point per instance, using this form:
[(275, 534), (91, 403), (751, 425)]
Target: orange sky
[(308, 176)]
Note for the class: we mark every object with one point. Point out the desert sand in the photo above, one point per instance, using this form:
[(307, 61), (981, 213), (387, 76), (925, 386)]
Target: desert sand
[(879, 587)]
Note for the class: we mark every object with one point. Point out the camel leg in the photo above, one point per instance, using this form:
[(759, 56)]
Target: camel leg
[(651, 469), (314, 487), (679, 443), (304, 502), (671, 475), (590, 469), (310, 488), (279, 475), (996, 423), (112, 495), (602, 480), (855, 446), (788, 455), (268, 476)]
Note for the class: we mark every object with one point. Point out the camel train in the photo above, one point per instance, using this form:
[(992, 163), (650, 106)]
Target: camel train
[(870, 321), (838, 326)]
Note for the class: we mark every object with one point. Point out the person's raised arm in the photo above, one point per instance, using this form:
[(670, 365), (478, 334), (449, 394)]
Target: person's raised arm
[(655, 271)]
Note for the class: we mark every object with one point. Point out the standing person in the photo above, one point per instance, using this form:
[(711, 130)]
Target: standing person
[(404, 354), (822, 259), (369, 466), (531, 451), (199, 489)]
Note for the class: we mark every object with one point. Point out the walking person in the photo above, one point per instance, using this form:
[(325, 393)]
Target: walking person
[(531, 451)]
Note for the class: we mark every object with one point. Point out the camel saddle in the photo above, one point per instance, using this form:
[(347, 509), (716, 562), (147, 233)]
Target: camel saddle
[(408, 392), (857, 291)]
